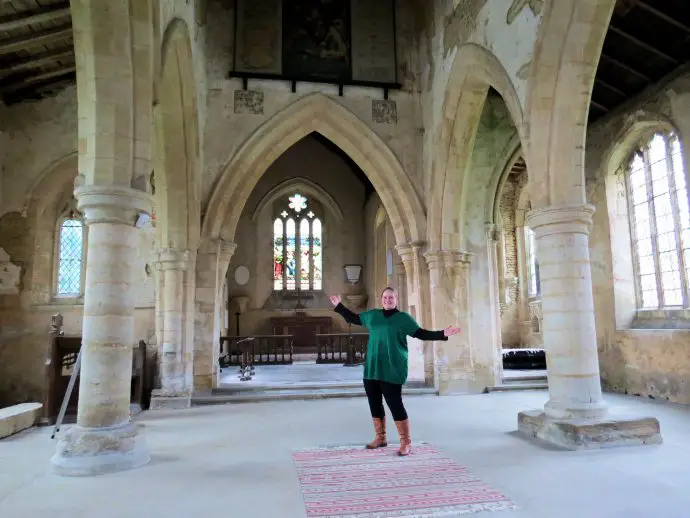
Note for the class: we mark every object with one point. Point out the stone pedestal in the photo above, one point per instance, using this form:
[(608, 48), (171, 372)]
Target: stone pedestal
[(587, 434), (576, 413), (448, 273), (105, 439)]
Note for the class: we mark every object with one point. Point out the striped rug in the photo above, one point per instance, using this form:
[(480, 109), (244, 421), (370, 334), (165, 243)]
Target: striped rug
[(352, 482)]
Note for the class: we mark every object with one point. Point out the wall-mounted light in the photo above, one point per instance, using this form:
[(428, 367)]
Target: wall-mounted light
[(352, 273), (142, 220)]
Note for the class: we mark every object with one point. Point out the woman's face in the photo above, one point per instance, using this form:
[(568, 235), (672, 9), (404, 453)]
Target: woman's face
[(389, 300)]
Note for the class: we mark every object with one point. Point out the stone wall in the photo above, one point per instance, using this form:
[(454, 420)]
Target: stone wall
[(233, 113), (647, 362), (510, 328)]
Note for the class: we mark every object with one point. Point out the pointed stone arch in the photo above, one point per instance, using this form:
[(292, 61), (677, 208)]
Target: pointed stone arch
[(314, 112), (565, 60), (474, 71), (176, 155)]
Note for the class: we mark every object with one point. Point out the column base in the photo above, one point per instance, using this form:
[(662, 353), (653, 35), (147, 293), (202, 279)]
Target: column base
[(98, 451), (587, 434), (456, 387), (165, 400)]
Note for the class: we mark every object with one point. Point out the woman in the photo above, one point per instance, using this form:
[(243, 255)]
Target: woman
[(385, 368)]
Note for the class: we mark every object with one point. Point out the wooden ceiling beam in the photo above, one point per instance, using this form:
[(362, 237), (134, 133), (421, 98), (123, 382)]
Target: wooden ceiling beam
[(663, 16), (46, 14), (39, 78), (626, 67), (599, 106), (610, 87), (38, 60), (642, 44), (36, 39)]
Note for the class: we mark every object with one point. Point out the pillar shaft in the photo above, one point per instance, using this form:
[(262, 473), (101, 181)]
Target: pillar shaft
[(212, 264), (173, 264), (562, 244), (449, 287), (417, 297), (105, 438)]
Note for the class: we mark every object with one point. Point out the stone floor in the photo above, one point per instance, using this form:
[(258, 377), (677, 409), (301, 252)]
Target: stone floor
[(309, 373), (235, 461)]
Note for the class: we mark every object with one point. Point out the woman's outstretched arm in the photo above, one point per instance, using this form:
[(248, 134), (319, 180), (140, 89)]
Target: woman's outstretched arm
[(425, 334), (349, 316)]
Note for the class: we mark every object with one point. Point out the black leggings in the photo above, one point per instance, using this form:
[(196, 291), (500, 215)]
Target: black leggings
[(378, 390)]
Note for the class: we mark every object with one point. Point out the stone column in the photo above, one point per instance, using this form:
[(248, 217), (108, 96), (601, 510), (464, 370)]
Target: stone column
[(417, 298), (104, 438), (449, 278), (575, 415), (172, 264), (561, 235), (212, 264)]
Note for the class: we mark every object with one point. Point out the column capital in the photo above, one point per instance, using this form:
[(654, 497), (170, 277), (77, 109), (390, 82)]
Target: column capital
[(112, 204), (408, 251), (443, 258), (493, 232), (561, 219), (172, 259), (217, 246)]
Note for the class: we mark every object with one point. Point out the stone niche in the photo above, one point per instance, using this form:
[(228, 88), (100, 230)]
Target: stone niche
[(10, 275)]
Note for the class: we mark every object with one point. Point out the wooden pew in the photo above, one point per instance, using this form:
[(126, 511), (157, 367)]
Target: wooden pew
[(60, 362)]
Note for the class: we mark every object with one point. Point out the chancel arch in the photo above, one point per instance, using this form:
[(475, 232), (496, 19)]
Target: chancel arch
[(315, 113)]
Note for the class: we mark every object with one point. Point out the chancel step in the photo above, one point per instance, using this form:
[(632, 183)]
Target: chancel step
[(223, 396), (528, 382)]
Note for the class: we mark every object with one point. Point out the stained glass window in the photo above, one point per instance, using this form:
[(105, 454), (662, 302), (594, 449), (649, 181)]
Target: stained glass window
[(660, 222), (70, 257), (297, 248)]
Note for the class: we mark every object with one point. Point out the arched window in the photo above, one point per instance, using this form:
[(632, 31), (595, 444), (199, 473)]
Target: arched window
[(70, 254), (532, 264), (297, 247), (660, 222)]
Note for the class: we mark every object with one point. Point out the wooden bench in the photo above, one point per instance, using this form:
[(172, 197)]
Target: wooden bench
[(60, 363)]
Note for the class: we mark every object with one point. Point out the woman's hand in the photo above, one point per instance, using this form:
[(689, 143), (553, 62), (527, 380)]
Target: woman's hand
[(335, 299), (450, 331)]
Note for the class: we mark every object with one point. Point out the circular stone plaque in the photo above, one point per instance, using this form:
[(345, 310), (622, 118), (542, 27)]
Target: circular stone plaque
[(241, 275)]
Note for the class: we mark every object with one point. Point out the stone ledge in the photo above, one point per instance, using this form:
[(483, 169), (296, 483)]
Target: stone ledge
[(584, 434), (161, 401), (14, 419)]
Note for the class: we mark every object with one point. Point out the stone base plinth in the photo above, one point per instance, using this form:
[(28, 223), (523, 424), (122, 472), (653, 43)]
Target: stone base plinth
[(585, 434), (168, 401), (97, 451)]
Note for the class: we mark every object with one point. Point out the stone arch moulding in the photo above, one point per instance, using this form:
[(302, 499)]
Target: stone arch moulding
[(500, 175), (565, 59), (635, 126), (314, 112), (474, 71), (307, 187), (176, 159)]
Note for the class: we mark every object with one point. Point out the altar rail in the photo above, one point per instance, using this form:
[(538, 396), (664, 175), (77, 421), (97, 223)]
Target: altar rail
[(345, 348), (261, 350), (60, 363)]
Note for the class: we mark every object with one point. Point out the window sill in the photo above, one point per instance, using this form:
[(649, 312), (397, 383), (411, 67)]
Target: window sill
[(662, 319)]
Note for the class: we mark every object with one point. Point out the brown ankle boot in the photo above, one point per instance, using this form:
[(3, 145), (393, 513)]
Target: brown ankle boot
[(380, 440), (404, 433)]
